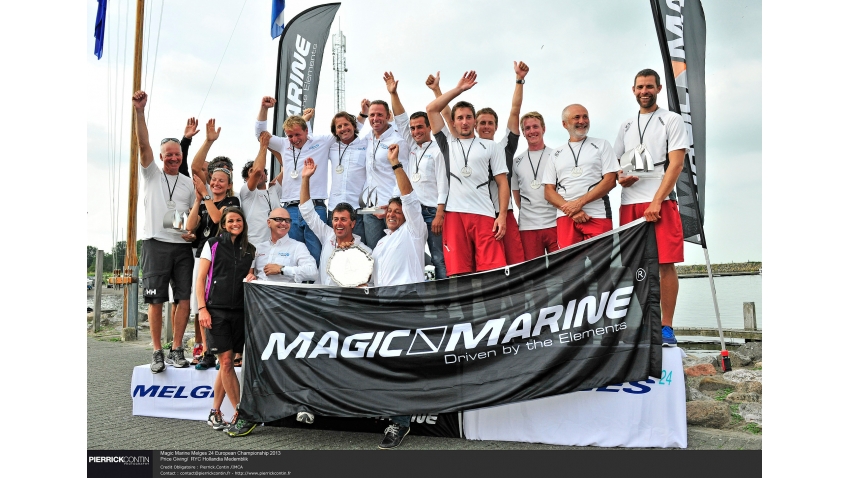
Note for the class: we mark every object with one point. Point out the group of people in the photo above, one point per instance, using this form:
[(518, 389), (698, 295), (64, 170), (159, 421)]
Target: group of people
[(452, 197)]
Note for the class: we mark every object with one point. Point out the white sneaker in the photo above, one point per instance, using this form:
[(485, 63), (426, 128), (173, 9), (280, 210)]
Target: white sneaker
[(305, 417)]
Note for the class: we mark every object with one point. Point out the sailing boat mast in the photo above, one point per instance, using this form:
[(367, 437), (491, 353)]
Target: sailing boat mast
[(131, 259)]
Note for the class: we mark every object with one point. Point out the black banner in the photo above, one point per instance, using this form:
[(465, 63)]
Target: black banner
[(680, 27), (446, 425), (584, 317)]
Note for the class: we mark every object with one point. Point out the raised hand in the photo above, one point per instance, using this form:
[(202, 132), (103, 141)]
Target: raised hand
[(308, 169), (140, 99), (212, 132), (364, 106), (200, 187), (191, 128), (268, 102), (265, 137), (308, 114), (521, 69), (392, 83), (392, 154), (467, 81), (433, 82)]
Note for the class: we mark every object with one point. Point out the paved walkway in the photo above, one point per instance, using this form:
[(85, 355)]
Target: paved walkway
[(111, 424)]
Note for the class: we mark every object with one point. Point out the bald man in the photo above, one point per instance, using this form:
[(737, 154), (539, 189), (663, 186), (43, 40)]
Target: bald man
[(283, 259)]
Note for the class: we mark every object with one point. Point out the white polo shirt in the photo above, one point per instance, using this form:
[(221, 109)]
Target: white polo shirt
[(427, 160), (327, 237), (400, 255), (596, 158), (534, 211), (257, 205), (471, 194), (663, 131), (379, 173), (315, 147), (158, 188), (347, 185), (298, 264)]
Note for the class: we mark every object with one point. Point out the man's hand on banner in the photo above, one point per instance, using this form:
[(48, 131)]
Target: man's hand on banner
[(308, 114), (268, 102), (626, 181), (308, 169), (652, 212), (251, 277)]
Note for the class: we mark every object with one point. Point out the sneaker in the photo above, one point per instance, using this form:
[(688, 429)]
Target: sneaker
[(158, 362), (305, 417), (393, 435), (198, 351), (176, 359), (216, 421), (207, 361), (668, 338), (240, 427)]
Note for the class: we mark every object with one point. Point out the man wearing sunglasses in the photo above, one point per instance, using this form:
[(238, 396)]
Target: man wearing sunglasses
[(283, 259), (166, 254)]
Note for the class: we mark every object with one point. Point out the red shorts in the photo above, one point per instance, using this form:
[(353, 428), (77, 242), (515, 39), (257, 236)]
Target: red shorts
[(469, 244), (535, 243), (514, 250), (668, 229), (570, 232)]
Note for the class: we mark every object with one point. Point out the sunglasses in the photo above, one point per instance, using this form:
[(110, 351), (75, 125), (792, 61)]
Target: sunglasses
[(169, 139), (281, 219)]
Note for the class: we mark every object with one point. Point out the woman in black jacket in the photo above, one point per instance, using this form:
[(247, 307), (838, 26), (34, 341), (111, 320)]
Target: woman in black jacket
[(225, 261)]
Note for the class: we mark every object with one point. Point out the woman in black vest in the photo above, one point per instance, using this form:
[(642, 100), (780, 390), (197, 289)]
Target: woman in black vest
[(225, 261)]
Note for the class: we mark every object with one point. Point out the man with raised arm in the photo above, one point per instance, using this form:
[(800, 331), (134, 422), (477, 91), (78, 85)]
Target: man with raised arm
[(380, 180), (339, 235), (166, 254), (577, 180), (486, 123), (257, 200), (662, 133), (283, 259), (472, 233), (536, 216), (297, 145), (400, 259), (427, 173)]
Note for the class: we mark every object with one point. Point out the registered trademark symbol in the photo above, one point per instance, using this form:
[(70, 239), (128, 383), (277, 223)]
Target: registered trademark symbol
[(640, 275)]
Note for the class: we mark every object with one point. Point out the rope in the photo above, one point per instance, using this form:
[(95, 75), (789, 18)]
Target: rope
[(222, 59)]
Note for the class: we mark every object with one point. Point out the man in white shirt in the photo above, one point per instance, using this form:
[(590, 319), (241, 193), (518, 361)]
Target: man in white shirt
[(166, 254), (255, 198), (578, 178), (380, 180), (486, 124), (283, 259), (427, 171), (536, 216), (472, 236), (294, 148), (400, 259), (339, 235), (662, 133), (348, 165)]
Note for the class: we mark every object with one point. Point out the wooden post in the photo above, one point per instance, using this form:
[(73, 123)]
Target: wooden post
[(130, 257), (98, 288), (750, 316)]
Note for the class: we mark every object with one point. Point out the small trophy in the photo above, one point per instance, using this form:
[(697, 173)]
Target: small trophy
[(350, 267), (175, 220), (638, 162), (369, 202)]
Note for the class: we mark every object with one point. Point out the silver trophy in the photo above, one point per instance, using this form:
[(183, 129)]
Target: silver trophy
[(638, 162), (369, 202), (350, 267), (175, 220)]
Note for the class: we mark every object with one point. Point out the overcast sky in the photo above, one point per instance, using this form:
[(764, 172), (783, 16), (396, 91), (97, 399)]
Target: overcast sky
[(578, 52)]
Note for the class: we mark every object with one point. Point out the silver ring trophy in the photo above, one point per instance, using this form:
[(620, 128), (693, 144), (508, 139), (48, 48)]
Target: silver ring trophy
[(350, 267)]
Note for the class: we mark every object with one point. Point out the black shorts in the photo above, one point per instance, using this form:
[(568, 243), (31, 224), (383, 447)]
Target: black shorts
[(227, 332), (165, 263)]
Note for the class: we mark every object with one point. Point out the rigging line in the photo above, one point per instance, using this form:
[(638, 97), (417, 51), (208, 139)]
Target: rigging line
[(112, 136), (121, 129), (109, 31), (222, 59), (155, 56)]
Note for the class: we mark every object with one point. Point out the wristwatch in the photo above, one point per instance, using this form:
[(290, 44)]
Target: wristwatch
[(207, 197), (399, 165), (520, 81), (363, 116)]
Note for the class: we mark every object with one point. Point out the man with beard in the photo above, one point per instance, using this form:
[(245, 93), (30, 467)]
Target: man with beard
[(166, 254), (577, 180), (536, 216), (662, 133), (283, 259), (472, 233)]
